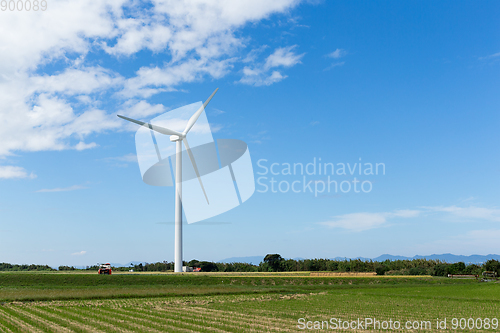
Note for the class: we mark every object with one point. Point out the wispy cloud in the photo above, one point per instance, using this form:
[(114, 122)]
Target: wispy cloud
[(266, 73), (468, 213), (65, 189), (13, 172), (337, 54), (336, 64), (491, 56), (216, 112), (132, 158), (366, 221), (81, 253), (259, 137), (314, 123)]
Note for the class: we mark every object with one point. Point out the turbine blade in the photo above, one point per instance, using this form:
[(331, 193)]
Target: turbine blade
[(155, 128), (193, 162), (197, 114)]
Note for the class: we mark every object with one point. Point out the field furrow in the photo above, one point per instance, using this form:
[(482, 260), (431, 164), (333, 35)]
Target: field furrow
[(262, 318), (117, 321), (73, 325), (176, 321), (232, 319), (93, 320), (4, 328), (223, 320), (46, 325), (263, 315), (20, 324)]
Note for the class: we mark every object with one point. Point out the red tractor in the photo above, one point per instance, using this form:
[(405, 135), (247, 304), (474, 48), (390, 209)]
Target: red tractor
[(105, 269)]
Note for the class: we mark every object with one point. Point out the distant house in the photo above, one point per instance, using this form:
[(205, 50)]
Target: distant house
[(191, 269)]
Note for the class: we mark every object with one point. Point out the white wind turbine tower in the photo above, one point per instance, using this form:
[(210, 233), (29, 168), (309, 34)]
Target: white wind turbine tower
[(178, 138)]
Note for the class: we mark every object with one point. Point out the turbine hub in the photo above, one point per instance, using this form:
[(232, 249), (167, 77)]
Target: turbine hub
[(174, 138)]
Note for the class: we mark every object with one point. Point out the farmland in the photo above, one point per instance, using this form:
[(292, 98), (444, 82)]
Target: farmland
[(47, 302)]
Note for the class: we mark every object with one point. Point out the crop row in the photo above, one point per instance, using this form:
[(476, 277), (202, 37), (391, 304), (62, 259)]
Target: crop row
[(145, 315)]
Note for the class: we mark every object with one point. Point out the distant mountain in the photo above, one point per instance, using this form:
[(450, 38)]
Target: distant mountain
[(451, 258), (446, 257)]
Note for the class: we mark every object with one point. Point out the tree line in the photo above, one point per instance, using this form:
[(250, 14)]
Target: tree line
[(9, 267), (276, 263)]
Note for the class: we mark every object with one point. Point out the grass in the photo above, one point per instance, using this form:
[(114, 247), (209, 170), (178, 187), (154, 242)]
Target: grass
[(33, 302), (38, 287)]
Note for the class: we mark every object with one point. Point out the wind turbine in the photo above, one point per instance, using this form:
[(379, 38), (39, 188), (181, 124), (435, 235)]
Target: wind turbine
[(179, 138)]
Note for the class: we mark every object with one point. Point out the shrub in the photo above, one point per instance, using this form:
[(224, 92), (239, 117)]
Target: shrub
[(440, 270), (381, 270), (417, 271), (66, 268)]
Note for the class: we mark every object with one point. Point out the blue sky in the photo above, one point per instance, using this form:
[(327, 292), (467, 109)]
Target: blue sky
[(412, 85)]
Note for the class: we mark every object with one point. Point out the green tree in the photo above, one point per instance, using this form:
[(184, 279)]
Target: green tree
[(193, 263), (381, 269), (207, 266), (440, 270), (274, 261), (456, 268), (492, 266)]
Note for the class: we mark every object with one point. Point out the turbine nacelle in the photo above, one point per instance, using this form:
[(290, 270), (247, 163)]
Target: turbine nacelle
[(175, 138)]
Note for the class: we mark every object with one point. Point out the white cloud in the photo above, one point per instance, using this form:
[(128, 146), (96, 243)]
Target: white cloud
[(81, 253), (468, 213), (140, 109), (338, 53), (152, 80), (366, 221), (43, 110), (264, 74), (37, 114), (74, 81), (254, 53), (82, 145), (12, 172), (65, 189), (283, 57)]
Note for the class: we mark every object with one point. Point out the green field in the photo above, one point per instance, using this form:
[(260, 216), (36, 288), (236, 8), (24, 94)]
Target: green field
[(53, 302)]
